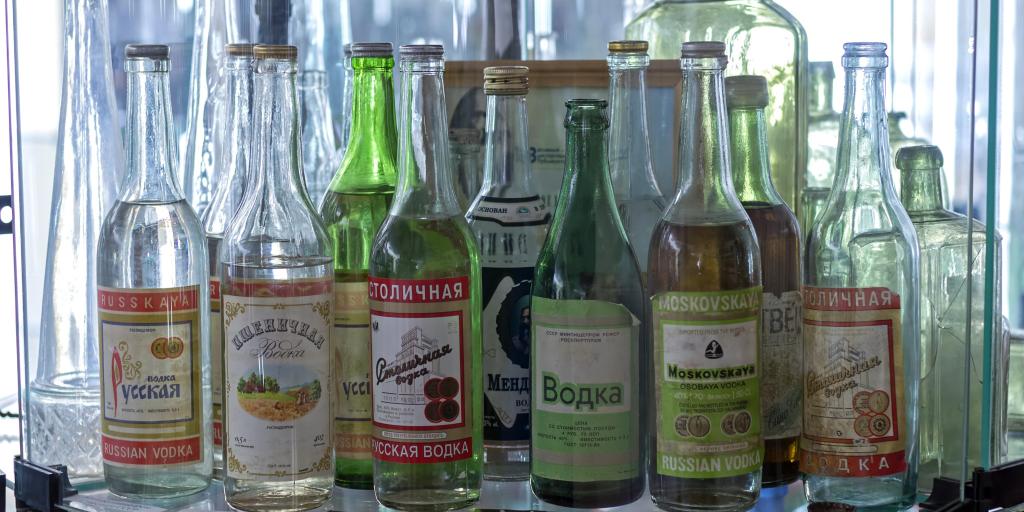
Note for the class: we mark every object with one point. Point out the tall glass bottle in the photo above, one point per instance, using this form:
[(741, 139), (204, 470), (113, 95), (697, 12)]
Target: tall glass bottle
[(319, 151), (861, 330), (277, 293), (425, 315), (510, 221), (234, 142), (353, 209), (64, 396), (704, 272), (946, 241), (346, 102), (761, 38), (153, 297), (822, 139), (467, 169), (637, 196), (587, 312)]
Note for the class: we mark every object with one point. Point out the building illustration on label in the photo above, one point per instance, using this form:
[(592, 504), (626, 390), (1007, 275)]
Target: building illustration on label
[(418, 378)]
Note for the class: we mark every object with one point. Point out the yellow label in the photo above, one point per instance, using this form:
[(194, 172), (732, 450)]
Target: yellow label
[(352, 428)]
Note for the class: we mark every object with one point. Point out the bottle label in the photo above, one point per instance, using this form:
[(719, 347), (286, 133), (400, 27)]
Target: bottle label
[(150, 353), (216, 363), (782, 364), (506, 326), (585, 416), (421, 366), (352, 403), (706, 355), (853, 389), (278, 364), (512, 212)]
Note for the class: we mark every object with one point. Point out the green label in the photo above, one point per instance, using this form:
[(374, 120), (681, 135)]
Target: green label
[(706, 383), (584, 372)]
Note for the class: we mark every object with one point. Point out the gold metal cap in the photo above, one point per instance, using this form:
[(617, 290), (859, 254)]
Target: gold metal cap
[(746, 91), (627, 47), (506, 80), (239, 49), (275, 51)]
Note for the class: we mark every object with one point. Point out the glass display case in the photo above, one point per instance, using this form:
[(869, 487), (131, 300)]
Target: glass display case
[(944, 146)]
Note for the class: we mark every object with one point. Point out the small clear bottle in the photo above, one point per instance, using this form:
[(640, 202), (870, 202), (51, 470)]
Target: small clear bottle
[(277, 295), (510, 222), (153, 285)]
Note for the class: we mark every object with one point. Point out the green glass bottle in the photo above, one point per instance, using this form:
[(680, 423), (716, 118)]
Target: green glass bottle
[(946, 239), (424, 288), (778, 237), (822, 139), (354, 207), (705, 278), (587, 344), (861, 330), (761, 38)]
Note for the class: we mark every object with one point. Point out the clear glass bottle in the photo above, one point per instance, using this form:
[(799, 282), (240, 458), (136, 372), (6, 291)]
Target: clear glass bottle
[(510, 222), (637, 196), (64, 396), (822, 139), (234, 142), (277, 293), (466, 165), (704, 274), (319, 151), (346, 103), (861, 323), (946, 239), (153, 297), (353, 209), (898, 140), (761, 38), (778, 237), (425, 315), (587, 315)]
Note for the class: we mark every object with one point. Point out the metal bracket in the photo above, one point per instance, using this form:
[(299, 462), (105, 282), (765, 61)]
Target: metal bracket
[(6, 228)]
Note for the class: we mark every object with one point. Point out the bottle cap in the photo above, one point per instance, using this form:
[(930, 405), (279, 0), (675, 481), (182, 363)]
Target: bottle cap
[(147, 51), (275, 51), (506, 80), (627, 47), (421, 50), (702, 49), (913, 158), (464, 136), (746, 91), (370, 49), (239, 49)]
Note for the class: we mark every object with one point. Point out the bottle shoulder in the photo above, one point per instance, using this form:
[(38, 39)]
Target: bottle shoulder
[(409, 247), (271, 233)]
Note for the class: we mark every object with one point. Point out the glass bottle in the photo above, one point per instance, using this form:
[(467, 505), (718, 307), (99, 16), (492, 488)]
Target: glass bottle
[(509, 220), (945, 240), (319, 151), (587, 288), (425, 315), (704, 272), (861, 330), (898, 140), (234, 142), (277, 292), (761, 38), (466, 165), (153, 297), (346, 102), (778, 237), (822, 138), (353, 209), (637, 196), (64, 396)]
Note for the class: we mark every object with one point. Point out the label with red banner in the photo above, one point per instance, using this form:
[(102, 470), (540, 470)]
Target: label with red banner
[(150, 363), (216, 362), (419, 365), (854, 408)]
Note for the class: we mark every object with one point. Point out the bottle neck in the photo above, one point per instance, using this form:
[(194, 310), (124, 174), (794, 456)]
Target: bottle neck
[(425, 188), (506, 150), (587, 185), (628, 146), (370, 158), (148, 134), (922, 190), (821, 95), (750, 168), (233, 151), (276, 164), (863, 160)]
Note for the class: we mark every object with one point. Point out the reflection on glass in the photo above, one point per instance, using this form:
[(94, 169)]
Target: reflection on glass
[(822, 138)]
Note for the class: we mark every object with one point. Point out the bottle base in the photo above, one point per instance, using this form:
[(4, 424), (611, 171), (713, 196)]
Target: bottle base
[(588, 494), (724, 494), (864, 493), (284, 499), (506, 462), (429, 500), (167, 485), (357, 482)]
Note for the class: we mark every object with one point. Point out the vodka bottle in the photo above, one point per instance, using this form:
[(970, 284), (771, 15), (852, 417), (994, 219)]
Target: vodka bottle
[(153, 297), (346, 102), (319, 151), (822, 138)]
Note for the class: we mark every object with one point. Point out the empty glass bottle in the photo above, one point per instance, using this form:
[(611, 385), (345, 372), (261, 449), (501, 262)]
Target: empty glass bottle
[(319, 151), (346, 103), (153, 295), (778, 238), (761, 38), (861, 324), (277, 293), (899, 140), (704, 273), (822, 139), (64, 396), (353, 209), (639, 200), (952, 286), (587, 309), (425, 315), (510, 221), (234, 142), (467, 169)]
